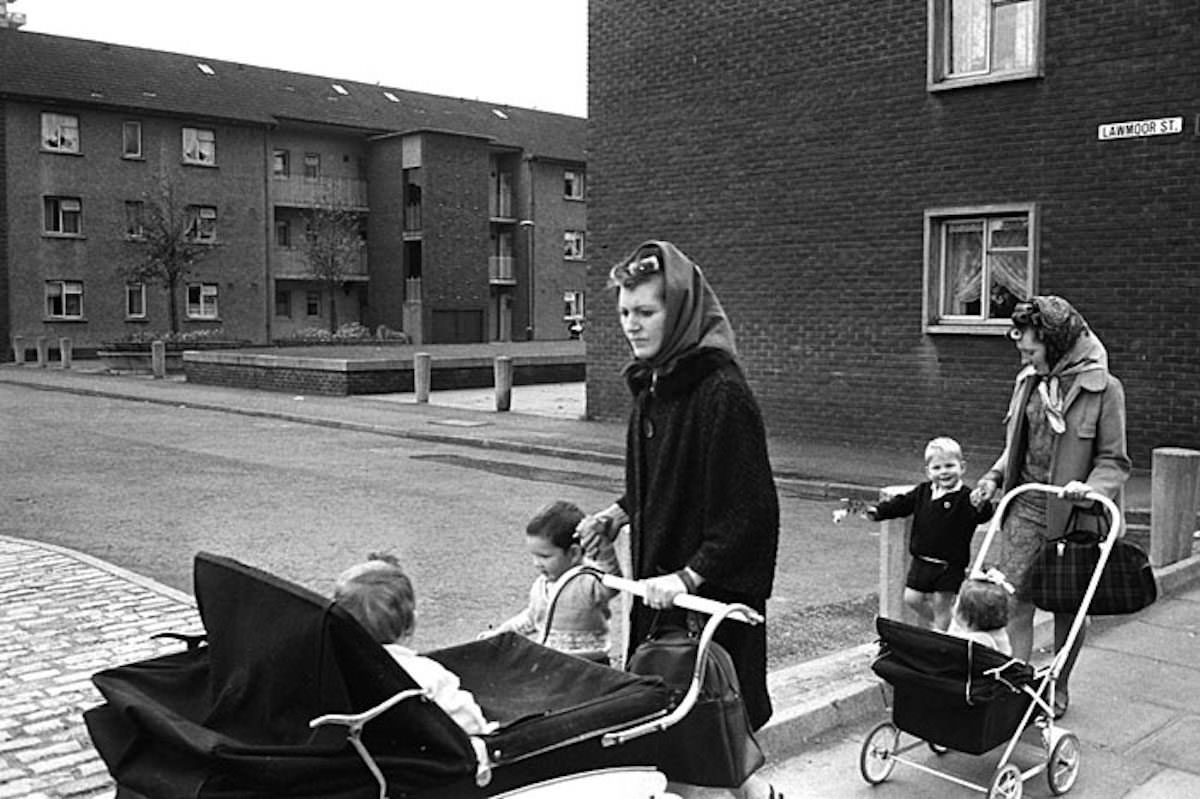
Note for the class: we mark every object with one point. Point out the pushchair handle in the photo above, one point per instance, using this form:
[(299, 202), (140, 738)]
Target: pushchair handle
[(709, 607)]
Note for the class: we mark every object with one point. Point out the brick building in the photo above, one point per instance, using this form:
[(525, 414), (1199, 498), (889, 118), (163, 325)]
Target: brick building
[(855, 181), (473, 213)]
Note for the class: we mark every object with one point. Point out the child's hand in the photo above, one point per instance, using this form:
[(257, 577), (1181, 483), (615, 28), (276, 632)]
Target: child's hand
[(851, 506)]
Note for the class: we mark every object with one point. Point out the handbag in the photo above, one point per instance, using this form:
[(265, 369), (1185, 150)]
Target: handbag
[(713, 745), (1062, 568)]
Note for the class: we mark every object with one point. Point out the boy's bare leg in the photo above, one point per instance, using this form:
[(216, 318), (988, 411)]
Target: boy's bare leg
[(921, 604), (943, 608)]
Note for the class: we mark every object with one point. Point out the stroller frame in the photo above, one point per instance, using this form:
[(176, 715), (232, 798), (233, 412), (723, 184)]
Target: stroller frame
[(882, 749)]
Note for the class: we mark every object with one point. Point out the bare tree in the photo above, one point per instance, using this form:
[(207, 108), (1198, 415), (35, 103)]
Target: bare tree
[(172, 238), (333, 245)]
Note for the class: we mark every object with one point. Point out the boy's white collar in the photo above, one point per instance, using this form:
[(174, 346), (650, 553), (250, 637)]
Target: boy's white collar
[(938, 491)]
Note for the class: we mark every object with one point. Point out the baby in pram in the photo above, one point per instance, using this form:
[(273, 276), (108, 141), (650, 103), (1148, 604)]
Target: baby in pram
[(981, 610), (379, 595)]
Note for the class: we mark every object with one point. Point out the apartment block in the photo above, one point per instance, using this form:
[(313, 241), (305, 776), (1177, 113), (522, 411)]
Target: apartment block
[(870, 190), (470, 217)]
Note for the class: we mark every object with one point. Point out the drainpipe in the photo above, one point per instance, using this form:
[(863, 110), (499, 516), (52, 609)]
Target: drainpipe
[(528, 225)]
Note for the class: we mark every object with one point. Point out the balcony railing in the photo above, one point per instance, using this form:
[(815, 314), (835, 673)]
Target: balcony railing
[(317, 192), (500, 204), (292, 265), (412, 217), (500, 270)]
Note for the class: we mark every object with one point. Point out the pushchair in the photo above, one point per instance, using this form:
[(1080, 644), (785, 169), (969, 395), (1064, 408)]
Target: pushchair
[(285, 694), (952, 693)]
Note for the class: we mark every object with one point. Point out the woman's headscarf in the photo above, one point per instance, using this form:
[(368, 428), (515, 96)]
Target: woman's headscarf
[(695, 318), (1071, 348)]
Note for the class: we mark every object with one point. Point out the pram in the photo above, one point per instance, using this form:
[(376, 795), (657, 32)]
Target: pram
[(286, 695), (952, 693)]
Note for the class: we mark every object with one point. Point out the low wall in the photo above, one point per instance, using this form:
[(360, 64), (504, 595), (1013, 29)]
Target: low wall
[(341, 376)]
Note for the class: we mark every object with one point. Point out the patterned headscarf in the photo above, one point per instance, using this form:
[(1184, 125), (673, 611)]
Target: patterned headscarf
[(695, 318), (1071, 348)]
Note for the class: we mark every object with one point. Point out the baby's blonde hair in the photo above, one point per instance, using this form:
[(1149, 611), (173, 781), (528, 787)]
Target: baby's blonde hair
[(943, 445)]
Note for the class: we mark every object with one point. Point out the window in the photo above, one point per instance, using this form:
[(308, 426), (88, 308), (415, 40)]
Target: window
[(573, 245), (981, 41), (312, 303), (980, 263), (64, 299), (203, 224), (60, 133), (573, 185), (131, 140), (135, 301), (283, 302), (63, 216), (283, 233), (199, 146), (202, 301), (135, 219), (573, 305), (281, 163), (312, 165)]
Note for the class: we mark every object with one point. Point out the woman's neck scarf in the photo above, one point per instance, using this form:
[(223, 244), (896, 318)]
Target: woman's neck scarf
[(695, 319)]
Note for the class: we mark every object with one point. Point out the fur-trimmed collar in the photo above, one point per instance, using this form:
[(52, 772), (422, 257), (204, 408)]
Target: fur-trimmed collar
[(686, 371)]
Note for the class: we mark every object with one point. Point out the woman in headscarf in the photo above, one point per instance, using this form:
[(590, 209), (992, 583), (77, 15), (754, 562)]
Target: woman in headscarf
[(1065, 426), (700, 497)]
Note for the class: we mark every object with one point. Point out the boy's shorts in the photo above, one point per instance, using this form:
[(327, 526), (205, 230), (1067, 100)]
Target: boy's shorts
[(928, 576)]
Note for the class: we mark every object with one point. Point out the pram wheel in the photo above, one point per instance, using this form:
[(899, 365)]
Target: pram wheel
[(1006, 784), (1063, 766), (876, 761), (937, 749)]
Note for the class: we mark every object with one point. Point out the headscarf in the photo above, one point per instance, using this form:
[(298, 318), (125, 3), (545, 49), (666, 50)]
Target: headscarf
[(1071, 348), (695, 319)]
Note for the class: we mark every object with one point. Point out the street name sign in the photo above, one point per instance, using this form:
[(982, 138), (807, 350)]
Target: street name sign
[(1136, 129)]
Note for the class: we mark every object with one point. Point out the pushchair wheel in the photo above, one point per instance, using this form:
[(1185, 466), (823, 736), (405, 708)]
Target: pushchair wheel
[(876, 760), (1006, 784), (1063, 766)]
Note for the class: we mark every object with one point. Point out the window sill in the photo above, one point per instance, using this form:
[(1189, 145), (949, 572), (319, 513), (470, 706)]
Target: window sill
[(203, 164), (137, 319), (949, 84), (994, 328), (133, 158), (573, 199), (48, 151), (202, 319), (46, 234), (59, 319)]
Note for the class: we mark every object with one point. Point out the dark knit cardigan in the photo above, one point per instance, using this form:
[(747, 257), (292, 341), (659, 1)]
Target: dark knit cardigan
[(698, 485), (941, 528)]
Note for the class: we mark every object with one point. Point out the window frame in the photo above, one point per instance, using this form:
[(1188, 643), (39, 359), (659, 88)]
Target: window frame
[(126, 153), (286, 296), (71, 147), (574, 186), (574, 245), (140, 289), (135, 219), (57, 201), (936, 221), (204, 291), (281, 163), (283, 234), (312, 299), (312, 160), (62, 314), (573, 305), (199, 137), (202, 226), (938, 46)]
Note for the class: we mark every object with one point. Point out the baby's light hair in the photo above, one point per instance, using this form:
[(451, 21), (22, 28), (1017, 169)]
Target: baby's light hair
[(943, 445), (379, 595), (556, 523), (982, 604)]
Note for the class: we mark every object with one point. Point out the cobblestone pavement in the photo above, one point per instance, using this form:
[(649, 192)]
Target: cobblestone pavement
[(64, 616)]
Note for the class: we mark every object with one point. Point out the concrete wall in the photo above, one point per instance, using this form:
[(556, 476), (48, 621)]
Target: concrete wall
[(792, 149)]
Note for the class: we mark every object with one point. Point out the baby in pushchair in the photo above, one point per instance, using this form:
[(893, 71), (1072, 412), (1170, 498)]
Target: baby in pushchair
[(980, 611)]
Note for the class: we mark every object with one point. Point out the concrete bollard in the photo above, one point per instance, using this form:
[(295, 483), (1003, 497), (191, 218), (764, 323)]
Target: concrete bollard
[(503, 369), (1174, 482), (422, 377), (18, 350), (893, 561), (64, 352), (158, 359), (43, 351)]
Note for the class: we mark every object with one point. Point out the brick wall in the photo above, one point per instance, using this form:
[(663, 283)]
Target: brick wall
[(5, 298), (792, 149)]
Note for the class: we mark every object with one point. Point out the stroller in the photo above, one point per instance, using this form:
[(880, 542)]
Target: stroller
[(951, 693), (286, 694)]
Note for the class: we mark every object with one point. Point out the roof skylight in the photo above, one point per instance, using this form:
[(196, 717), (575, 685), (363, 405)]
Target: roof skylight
[(340, 89), (391, 97), (499, 113), (205, 68)]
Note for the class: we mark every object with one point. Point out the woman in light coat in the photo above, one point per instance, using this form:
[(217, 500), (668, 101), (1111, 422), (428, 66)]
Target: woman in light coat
[(1065, 426)]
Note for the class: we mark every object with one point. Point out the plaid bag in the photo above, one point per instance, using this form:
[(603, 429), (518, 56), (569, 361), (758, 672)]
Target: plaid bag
[(1062, 568)]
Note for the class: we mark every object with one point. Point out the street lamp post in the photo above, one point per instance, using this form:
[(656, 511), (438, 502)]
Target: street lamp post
[(527, 226)]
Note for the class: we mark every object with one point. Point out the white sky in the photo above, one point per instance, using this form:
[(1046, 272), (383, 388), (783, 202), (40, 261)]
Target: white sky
[(530, 53)]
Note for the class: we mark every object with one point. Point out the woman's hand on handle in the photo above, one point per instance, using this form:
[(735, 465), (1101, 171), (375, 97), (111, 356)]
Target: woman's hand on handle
[(1077, 491), (661, 591)]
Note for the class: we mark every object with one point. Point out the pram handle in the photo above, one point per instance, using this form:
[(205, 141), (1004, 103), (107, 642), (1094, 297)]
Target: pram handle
[(709, 607)]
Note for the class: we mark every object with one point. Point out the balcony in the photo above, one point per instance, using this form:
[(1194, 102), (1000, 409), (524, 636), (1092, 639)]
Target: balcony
[(500, 204), (500, 271), (412, 218), (302, 192), (292, 265)]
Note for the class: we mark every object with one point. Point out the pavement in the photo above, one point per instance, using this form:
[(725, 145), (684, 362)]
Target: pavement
[(65, 615)]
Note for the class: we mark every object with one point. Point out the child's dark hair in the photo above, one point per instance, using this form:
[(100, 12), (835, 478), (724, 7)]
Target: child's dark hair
[(556, 523), (983, 604), (379, 595)]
